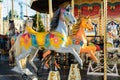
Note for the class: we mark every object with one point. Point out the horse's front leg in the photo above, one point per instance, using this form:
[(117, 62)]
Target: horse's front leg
[(76, 48), (23, 55), (73, 52), (32, 57)]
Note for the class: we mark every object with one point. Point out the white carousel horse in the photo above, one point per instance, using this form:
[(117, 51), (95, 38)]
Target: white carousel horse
[(112, 49), (28, 22), (112, 35), (56, 40)]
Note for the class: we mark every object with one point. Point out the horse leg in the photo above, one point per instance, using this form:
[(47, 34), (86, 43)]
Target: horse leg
[(90, 52), (31, 58), (11, 56), (76, 47), (72, 51), (24, 54), (93, 56), (57, 65), (19, 65), (44, 56)]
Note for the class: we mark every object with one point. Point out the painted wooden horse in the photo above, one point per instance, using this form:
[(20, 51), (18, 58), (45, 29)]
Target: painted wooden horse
[(56, 40), (79, 36)]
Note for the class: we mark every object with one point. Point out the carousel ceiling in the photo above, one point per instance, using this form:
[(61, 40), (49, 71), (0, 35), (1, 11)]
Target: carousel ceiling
[(93, 8), (85, 7), (42, 6)]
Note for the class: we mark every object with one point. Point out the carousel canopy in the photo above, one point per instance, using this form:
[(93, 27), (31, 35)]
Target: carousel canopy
[(42, 6)]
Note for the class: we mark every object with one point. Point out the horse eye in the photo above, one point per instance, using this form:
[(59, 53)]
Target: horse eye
[(67, 13)]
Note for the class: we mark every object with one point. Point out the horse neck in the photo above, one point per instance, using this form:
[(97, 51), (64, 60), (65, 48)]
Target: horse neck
[(81, 35), (62, 28), (12, 32), (81, 32)]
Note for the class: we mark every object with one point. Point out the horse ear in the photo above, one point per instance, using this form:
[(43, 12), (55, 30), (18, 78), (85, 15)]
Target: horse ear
[(80, 15), (68, 8), (88, 17), (11, 21)]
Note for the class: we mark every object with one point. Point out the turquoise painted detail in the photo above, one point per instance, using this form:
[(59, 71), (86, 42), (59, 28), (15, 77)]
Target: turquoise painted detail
[(47, 40), (87, 4), (81, 43), (33, 40), (113, 4), (63, 39)]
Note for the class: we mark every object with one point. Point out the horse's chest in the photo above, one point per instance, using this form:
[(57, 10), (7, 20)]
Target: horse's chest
[(25, 40)]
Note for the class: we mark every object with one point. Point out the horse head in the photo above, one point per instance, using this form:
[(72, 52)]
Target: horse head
[(112, 30), (67, 15), (29, 22), (87, 23), (61, 17)]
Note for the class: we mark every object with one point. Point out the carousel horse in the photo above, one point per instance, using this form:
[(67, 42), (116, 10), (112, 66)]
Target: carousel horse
[(12, 39), (112, 35), (11, 28), (56, 40), (13, 36), (79, 35)]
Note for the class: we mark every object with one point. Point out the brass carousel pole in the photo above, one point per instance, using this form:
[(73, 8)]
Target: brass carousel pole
[(26, 9), (37, 14), (72, 3), (105, 38), (50, 8), (12, 10)]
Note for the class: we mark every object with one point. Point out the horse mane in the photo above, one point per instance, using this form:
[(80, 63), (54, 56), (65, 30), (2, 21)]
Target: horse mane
[(55, 19), (76, 27)]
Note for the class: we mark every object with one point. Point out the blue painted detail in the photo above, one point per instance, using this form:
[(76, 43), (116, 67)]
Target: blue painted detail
[(33, 39), (81, 43), (47, 40)]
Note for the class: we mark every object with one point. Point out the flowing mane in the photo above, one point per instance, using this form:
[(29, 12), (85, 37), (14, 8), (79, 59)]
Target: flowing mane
[(55, 19), (82, 22), (76, 27)]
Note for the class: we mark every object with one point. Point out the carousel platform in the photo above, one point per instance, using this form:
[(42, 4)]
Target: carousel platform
[(7, 74)]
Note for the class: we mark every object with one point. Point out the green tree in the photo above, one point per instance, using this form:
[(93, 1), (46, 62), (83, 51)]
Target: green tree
[(40, 24)]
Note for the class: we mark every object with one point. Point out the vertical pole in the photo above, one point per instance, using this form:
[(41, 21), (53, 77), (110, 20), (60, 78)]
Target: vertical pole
[(1, 19), (72, 4), (37, 14), (50, 8), (50, 11), (26, 8), (105, 39), (7, 12), (12, 9), (70, 28), (101, 20)]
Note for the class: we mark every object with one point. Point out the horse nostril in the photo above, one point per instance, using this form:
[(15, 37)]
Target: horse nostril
[(74, 21)]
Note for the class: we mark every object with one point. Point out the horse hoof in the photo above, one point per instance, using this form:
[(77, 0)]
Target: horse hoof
[(27, 71), (24, 77), (79, 66)]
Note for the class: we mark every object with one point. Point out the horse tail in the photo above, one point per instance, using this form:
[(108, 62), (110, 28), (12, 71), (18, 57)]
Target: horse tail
[(16, 47), (11, 55), (11, 51)]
